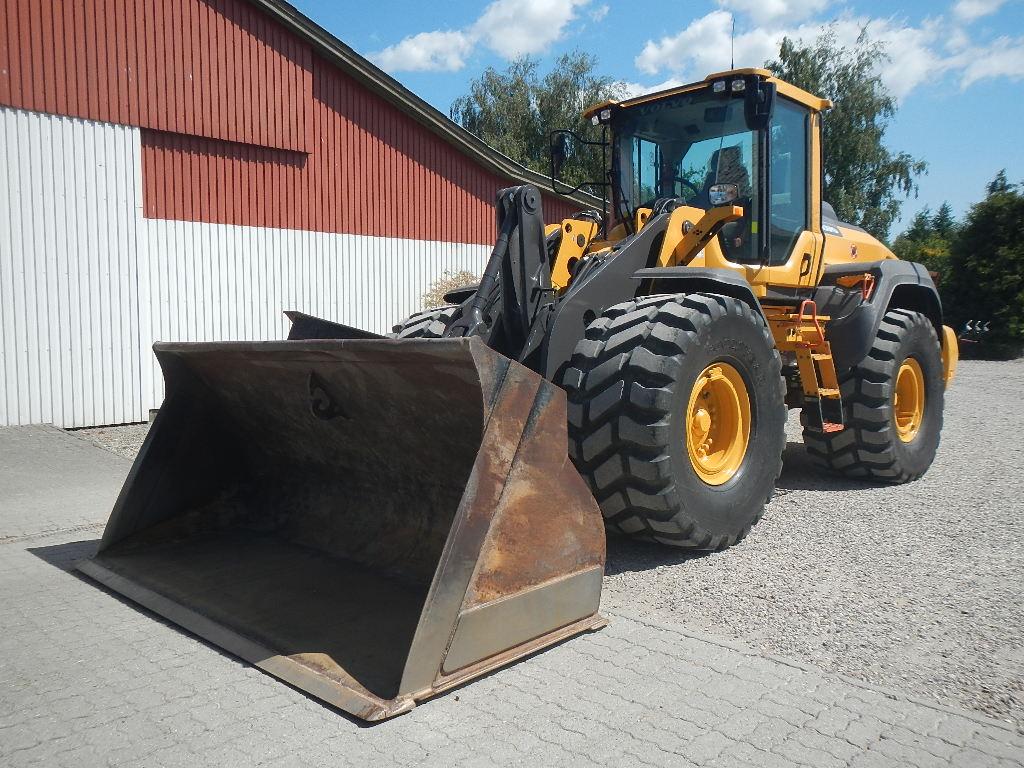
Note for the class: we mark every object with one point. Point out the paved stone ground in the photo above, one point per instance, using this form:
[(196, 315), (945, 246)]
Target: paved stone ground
[(87, 679), (916, 586), (50, 481)]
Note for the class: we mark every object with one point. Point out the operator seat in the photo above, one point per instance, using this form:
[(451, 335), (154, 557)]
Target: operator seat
[(726, 167)]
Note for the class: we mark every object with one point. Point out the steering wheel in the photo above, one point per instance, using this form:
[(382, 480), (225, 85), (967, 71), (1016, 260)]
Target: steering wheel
[(686, 183), (681, 180)]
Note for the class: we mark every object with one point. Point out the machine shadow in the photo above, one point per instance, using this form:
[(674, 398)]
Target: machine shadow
[(798, 474), (65, 556), (627, 555)]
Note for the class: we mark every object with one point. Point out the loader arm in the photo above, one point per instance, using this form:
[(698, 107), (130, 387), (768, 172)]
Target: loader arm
[(515, 292)]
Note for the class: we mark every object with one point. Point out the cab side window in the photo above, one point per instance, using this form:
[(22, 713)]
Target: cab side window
[(789, 153)]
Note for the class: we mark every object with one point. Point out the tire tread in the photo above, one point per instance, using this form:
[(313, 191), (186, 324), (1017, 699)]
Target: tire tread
[(862, 450), (619, 407), (425, 324)]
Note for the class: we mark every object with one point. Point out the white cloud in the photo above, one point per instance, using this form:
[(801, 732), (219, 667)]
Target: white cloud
[(913, 51), (427, 51), (917, 53), (598, 14), (957, 39), (762, 11), (510, 28), (513, 28), (632, 90), (928, 53), (969, 10), (705, 46), (1003, 57)]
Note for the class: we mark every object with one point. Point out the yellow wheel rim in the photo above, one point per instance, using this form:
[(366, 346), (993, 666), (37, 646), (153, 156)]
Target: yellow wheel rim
[(908, 400), (718, 423)]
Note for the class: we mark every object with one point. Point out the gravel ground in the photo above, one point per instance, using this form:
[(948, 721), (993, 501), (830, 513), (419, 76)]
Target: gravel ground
[(123, 439), (915, 587)]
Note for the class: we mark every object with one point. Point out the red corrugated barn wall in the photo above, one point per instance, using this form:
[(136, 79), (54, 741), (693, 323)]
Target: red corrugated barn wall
[(243, 122), (188, 170)]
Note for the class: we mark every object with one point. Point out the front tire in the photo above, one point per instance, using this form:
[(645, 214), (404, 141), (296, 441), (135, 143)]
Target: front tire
[(648, 388), (426, 324), (893, 401)]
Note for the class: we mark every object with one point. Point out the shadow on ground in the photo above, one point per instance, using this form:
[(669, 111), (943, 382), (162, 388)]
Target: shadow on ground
[(64, 557), (626, 555), (798, 474)]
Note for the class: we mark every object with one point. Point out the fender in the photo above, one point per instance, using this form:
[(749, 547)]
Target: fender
[(459, 295), (698, 280), (854, 321), (601, 280)]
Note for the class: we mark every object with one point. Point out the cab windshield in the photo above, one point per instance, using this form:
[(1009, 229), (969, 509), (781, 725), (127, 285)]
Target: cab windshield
[(682, 146)]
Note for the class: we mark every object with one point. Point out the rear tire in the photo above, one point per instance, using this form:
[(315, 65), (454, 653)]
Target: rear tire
[(871, 447), (427, 324), (631, 385)]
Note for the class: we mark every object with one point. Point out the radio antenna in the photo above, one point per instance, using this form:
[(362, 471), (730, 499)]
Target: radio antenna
[(732, 42)]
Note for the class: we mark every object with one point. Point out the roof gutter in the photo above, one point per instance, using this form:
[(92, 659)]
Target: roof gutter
[(378, 81)]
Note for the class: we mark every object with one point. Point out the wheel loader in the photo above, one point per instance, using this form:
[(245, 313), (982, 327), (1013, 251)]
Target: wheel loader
[(376, 520)]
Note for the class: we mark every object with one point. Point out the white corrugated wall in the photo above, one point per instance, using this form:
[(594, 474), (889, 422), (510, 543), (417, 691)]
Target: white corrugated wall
[(69, 299), (87, 285)]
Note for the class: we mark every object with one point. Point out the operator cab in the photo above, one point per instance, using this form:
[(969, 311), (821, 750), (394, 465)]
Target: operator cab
[(732, 139), (739, 138)]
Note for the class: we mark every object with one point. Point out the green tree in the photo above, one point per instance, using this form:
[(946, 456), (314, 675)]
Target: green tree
[(999, 184), (929, 239), (920, 226), (943, 223), (986, 280), (514, 111), (864, 180)]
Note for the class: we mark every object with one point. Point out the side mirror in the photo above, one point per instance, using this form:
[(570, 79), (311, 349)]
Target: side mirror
[(723, 194), (560, 149), (759, 104)]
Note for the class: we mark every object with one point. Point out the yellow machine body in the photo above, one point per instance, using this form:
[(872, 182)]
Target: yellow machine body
[(690, 236), (376, 520)]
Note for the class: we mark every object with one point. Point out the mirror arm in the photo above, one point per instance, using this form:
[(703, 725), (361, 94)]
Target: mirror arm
[(554, 171), (604, 189)]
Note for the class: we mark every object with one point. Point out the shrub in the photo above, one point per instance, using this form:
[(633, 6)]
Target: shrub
[(986, 280), (449, 281)]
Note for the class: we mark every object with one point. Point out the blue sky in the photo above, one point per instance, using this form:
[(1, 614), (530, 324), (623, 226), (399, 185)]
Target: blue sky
[(957, 65)]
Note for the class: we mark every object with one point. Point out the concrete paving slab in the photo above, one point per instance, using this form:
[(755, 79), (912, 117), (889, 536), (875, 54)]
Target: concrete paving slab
[(87, 678), (51, 480), (915, 586)]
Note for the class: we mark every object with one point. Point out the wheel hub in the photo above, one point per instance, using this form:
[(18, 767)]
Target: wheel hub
[(718, 423), (908, 400)]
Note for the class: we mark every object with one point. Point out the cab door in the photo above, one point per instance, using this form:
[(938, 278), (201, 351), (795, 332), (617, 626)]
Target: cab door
[(794, 232)]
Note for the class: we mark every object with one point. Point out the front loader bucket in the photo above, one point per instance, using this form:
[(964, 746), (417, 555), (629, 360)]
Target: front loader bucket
[(372, 521)]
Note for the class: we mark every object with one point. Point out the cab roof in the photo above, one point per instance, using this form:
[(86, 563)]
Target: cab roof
[(814, 103)]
